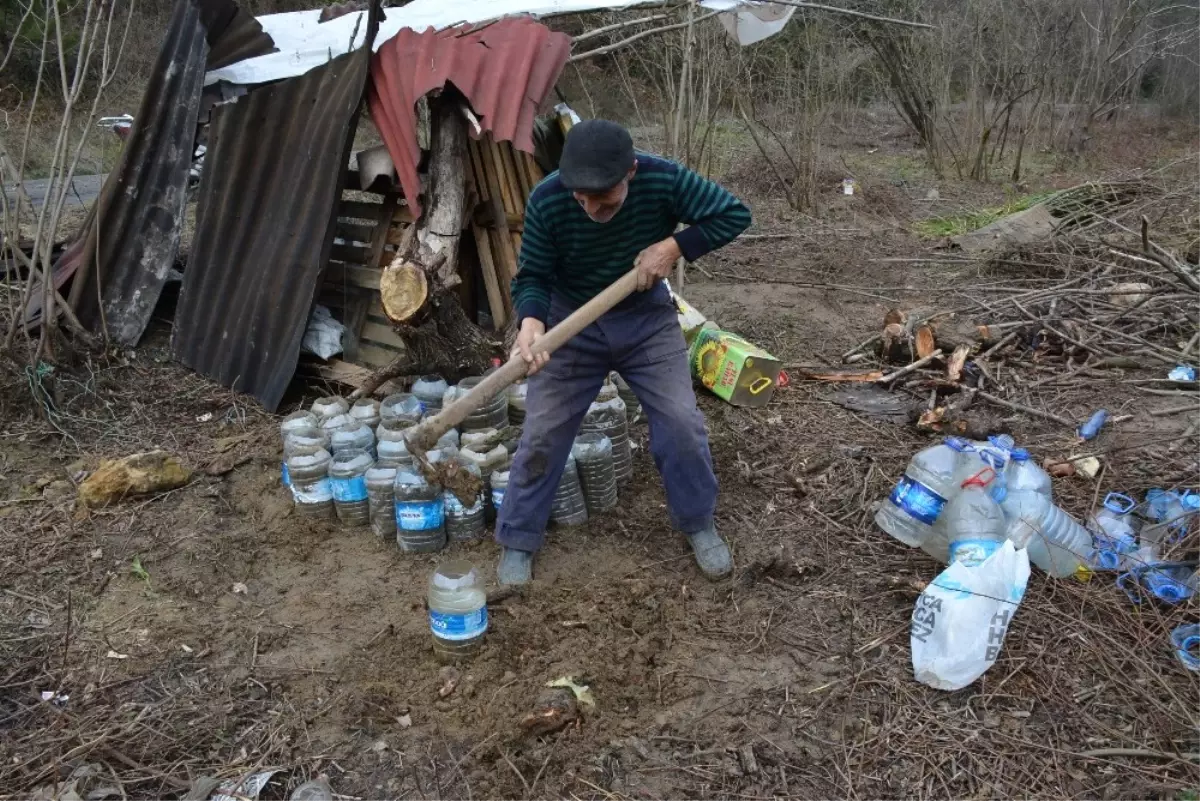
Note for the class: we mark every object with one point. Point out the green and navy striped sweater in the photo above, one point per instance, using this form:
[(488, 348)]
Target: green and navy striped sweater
[(566, 252)]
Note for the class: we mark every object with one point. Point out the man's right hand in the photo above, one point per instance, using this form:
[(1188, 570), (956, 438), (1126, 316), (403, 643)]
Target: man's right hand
[(532, 329)]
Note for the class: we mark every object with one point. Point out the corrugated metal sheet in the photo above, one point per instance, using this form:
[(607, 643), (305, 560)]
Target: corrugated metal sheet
[(137, 237), (504, 69), (273, 173)]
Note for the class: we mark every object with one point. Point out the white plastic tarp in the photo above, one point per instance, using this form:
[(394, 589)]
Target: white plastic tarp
[(305, 43)]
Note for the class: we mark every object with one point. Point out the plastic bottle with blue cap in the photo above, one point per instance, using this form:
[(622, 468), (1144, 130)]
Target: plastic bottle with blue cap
[(1186, 639), (458, 615), (1170, 514), (1114, 531), (1056, 542), (932, 477), (1026, 475)]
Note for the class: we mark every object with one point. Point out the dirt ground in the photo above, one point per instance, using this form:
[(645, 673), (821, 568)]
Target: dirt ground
[(209, 631)]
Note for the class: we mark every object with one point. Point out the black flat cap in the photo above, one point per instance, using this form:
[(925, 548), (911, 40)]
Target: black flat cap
[(596, 156)]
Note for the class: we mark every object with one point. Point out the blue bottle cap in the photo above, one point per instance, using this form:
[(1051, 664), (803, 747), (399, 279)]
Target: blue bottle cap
[(958, 444), (999, 493), (1019, 455), (1191, 501), (991, 458)]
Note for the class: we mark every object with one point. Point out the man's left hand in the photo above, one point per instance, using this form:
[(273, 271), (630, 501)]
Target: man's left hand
[(655, 262)]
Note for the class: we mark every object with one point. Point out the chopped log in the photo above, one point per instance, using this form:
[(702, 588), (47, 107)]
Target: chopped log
[(925, 343), (956, 362), (893, 344)]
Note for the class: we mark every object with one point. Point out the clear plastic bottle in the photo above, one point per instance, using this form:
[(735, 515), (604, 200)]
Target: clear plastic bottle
[(429, 390), (1057, 542), (366, 411), (450, 439), (331, 406), (1025, 474), (913, 507), (391, 448), (464, 523), (381, 500), (483, 440), (420, 513), (301, 419), (608, 391), (1114, 531), (594, 458), (458, 615), (340, 420), (401, 407), (608, 418), (353, 436), (347, 478), (1170, 513), (305, 436), (316, 790), (308, 469), (516, 403), (569, 507), (974, 522)]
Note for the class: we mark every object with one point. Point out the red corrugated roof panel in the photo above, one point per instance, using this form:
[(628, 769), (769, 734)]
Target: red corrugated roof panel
[(504, 69)]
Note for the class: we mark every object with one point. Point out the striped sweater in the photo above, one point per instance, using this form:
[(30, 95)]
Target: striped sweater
[(564, 251)]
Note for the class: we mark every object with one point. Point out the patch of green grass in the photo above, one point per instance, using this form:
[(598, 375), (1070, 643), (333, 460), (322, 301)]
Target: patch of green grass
[(967, 221)]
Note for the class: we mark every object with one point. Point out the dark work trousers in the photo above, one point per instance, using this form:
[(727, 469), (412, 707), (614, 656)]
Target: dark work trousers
[(640, 339)]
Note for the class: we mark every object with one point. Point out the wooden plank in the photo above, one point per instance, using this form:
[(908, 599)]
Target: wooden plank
[(342, 372), (340, 274), (376, 356), (381, 229), (350, 254), (499, 303), (396, 233), (503, 252), (355, 232), (535, 172), (403, 213), (497, 186), (381, 334), (358, 210), (477, 170), (352, 319), (484, 218), (513, 165), (508, 170)]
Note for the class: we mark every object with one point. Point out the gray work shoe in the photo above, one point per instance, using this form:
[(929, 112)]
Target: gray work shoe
[(516, 566), (712, 554)]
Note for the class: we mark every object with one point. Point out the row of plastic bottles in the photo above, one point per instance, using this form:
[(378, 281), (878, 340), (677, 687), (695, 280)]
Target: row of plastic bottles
[(960, 500)]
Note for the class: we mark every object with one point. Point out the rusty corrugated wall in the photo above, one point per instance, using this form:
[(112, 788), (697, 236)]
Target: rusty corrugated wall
[(504, 69), (134, 244), (274, 170)]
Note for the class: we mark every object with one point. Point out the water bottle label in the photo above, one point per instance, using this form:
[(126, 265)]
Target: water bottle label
[(497, 498), (419, 515), (319, 491), (455, 508), (349, 490), (972, 553), (458, 627), (287, 481), (917, 500)]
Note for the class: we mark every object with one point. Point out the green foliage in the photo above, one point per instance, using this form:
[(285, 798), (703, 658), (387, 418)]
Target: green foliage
[(967, 221)]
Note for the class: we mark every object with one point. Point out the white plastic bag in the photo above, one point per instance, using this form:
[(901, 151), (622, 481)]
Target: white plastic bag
[(960, 620)]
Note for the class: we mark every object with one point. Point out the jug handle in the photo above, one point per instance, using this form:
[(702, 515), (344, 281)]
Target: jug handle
[(759, 385), (1124, 503)]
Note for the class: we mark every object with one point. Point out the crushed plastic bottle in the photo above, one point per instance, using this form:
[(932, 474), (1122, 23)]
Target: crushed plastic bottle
[(391, 448), (331, 406), (569, 507), (1170, 515), (458, 615), (1169, 582), (366, 411), (301, 436), (354, 435), (464, 523), (973, 521), (381, 500), (1114, 533), (608, 418), (492, 414), (498, 481), (316, 790), (312, 493), (633, 407), (516, 395), (429, 390), (420, 513), (594, 459), (347, 479), (401, 408), (932, 477)]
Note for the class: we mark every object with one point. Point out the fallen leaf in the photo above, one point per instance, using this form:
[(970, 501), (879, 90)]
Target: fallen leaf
[(404, 721), (187, 649), (204, 418), (114, 655), (97, 554), (240, 589)]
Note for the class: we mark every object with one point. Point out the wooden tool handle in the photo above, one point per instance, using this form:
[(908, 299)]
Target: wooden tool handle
[(428, 432)]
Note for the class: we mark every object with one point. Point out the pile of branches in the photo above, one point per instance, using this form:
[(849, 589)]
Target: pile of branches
[(1114, 299)]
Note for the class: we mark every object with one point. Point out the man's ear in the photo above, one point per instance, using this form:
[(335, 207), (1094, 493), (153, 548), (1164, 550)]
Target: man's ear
[(632, 170)]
